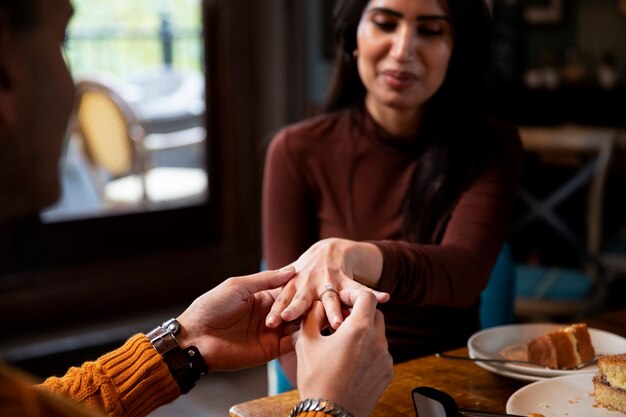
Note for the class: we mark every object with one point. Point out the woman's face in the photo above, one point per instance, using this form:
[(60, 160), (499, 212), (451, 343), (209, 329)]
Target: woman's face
[(404, 47)]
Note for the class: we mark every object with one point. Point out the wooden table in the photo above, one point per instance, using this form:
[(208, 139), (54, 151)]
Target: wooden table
[(470, 385)]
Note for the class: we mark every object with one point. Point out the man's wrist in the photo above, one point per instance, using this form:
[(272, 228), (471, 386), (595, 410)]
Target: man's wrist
[(185, 363)]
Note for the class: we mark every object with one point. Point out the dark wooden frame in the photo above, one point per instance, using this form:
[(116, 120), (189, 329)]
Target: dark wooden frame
[(96, 270)]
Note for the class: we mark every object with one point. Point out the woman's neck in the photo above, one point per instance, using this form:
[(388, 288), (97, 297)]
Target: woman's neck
[(396, 122)]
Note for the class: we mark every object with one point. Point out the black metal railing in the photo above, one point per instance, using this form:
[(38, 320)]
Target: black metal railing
[(120, 51)]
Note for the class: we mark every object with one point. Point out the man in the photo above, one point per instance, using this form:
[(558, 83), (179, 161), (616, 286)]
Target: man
[(221, 330)]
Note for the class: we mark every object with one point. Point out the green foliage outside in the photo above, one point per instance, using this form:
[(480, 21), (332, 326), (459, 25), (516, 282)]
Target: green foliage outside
[(121, 37)]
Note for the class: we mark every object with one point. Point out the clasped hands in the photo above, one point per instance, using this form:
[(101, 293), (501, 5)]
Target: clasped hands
[(232, 328), (247, 321), (335, 264)]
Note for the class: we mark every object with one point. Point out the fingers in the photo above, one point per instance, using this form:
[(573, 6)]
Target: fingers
[(300, 303), (379, 326), (287, 342), (267, 280), (314, 322), (332, 305), (295, 300), (274, 317), (381, 297), (349, 295), (363, 304)]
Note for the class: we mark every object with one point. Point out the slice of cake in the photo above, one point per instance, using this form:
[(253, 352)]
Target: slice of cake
[(563, 348), (609, 384)]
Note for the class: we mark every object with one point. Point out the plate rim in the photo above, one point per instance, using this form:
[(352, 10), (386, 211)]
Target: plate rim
[(511, 374), (555, 380), (546, 373)]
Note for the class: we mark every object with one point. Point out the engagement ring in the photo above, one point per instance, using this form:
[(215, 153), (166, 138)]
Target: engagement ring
[(326, 289)]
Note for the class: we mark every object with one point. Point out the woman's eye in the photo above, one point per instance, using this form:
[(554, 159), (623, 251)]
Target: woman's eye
[(430, 31), (385, 25)]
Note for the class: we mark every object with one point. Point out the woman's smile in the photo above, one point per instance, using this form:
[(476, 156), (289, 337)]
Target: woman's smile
[(399, 79)]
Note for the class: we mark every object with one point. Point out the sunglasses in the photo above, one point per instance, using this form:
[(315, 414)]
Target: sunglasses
[(431, 402)]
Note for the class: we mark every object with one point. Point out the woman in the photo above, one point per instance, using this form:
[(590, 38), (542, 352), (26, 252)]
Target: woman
[(404, 185)]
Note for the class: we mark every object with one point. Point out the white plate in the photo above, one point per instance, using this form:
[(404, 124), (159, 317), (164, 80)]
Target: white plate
[(502, 370), (570, 396), (489, 344), (510, 374)]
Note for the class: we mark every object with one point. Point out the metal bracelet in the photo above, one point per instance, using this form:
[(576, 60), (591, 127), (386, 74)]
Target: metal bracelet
[(319, 404)]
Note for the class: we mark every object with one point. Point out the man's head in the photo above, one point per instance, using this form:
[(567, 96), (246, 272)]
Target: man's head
[(22, 14), (36, 95)]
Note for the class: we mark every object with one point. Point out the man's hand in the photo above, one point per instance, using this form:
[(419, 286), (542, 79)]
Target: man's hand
[(351, 367), (227, 324)]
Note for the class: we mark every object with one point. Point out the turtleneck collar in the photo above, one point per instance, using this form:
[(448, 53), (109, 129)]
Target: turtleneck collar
[(411, 143)]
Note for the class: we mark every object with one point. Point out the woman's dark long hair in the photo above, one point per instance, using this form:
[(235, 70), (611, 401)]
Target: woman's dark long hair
[(454, 119)]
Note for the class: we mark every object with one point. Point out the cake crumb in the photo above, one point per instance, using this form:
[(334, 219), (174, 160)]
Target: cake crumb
[(544, 405), (535, 415)]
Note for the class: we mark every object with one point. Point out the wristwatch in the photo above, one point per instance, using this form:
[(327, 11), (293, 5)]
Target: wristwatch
[(186, 364), (318, 404)]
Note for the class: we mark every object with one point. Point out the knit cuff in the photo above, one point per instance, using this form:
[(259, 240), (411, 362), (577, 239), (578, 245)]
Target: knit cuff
[(140, 375)]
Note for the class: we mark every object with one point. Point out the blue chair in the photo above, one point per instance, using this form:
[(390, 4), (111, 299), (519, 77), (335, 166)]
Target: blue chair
[(277, 381), (497, 301)]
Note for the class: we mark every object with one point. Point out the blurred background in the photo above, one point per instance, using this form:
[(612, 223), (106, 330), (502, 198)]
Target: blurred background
[(203, 85)]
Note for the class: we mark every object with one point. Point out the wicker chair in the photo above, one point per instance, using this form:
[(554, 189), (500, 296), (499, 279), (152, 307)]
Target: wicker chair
[(116, 144)]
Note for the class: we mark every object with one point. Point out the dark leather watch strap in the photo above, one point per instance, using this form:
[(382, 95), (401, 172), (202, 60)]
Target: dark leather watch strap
[(186, 364)]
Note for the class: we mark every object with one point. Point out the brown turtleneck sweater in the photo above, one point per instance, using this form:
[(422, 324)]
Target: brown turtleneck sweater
[(340, 175)]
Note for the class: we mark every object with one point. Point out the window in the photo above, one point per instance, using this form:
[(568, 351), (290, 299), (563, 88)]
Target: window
[(137, 142), (90, 269)]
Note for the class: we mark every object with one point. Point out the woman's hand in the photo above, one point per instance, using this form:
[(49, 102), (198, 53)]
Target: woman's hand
[(327, 267)]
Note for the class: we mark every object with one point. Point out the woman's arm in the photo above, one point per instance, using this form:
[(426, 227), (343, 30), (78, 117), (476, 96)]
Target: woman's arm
[(455, 271), (290, 227), (288, 211), (451, 273)]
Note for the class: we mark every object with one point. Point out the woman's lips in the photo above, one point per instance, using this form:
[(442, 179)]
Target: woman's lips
[(399, 79)]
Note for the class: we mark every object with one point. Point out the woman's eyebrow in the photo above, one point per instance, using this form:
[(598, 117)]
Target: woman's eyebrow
[(434, 17), (385, 10), (399, 15)]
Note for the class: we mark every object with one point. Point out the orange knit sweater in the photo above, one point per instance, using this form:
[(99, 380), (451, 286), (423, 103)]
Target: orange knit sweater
[(130, 381)]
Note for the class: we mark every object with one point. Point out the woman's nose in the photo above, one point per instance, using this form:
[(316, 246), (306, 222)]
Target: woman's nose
[(404, 44)]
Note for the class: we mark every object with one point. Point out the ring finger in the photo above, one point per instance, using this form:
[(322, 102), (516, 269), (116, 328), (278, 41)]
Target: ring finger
[(332, 305)]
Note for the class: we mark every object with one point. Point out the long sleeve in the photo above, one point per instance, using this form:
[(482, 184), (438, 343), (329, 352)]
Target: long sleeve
[(130, 381), (289, 218), (454, 272), (338, 175)]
